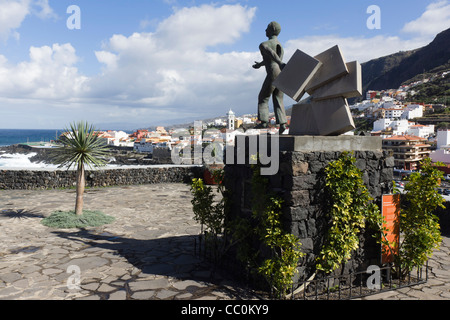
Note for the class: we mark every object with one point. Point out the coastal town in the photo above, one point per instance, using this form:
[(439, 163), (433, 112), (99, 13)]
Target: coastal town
[(224, 155), (391, 114)]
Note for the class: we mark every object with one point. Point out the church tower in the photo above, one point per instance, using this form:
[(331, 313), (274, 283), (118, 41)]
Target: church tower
[(231, 120)]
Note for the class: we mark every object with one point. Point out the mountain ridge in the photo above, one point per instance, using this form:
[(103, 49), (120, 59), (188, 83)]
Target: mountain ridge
[(391, 71)]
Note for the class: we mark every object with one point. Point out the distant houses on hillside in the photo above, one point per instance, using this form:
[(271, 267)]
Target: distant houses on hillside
[(393, 120), (161, 141)]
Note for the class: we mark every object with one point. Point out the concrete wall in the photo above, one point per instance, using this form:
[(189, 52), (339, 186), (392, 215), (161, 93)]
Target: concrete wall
[(54, 179)]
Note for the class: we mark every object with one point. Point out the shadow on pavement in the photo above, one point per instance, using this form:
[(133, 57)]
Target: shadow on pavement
[(171, 256)]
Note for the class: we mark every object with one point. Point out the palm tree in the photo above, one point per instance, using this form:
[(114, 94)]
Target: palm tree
[(81, 147)]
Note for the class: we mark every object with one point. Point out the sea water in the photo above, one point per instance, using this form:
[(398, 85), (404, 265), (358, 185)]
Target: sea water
[(15, 136)]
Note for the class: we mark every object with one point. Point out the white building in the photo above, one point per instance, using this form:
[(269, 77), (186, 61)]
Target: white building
[(219, 122), (381, 124), (231, 118), (398, 127), (413, 111), (143, 146), (422, 131), (442, 153), (393, 113), (443, 138), (361, 106), (247, 120)]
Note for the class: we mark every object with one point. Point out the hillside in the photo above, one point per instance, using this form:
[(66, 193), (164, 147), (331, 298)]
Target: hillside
[(392, 71)]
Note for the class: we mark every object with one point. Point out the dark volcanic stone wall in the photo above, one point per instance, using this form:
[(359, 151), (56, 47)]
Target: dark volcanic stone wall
[(54, 179), (301, 183)]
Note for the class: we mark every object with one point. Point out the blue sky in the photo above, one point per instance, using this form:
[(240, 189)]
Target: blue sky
[(142, 63)]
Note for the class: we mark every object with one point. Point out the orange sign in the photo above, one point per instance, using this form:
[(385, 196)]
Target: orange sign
[(391, 214)]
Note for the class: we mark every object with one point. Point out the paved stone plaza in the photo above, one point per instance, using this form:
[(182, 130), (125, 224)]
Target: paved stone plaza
[(147, 253)]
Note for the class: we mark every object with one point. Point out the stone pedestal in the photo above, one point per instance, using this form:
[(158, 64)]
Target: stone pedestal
[(300, 182), (327, 144)]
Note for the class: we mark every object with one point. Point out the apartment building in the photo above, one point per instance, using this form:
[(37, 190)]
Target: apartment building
[(393, 113), (408, 151)]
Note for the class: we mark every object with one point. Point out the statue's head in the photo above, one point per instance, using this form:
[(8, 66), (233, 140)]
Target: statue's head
[(273, 29)]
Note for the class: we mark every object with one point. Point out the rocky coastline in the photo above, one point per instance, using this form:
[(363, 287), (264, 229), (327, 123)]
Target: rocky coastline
[(117, 156)]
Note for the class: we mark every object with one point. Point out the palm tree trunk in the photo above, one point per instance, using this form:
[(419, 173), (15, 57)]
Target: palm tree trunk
[(80, 190)]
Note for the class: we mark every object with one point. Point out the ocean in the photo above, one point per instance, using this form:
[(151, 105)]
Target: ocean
[(14, 136)]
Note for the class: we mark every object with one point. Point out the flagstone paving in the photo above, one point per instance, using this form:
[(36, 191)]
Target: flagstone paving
[(146, 253)]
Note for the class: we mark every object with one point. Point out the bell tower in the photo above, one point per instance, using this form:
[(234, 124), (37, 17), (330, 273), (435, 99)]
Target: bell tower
[(231, 120)]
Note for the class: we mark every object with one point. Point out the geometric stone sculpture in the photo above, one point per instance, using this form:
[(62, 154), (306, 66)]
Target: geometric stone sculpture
[(347, 86), (329, 81), (297, 74), (330, 117), (333, 67)]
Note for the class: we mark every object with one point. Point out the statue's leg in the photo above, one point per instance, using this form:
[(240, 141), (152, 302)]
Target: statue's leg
[(278, 106), (263, 101)]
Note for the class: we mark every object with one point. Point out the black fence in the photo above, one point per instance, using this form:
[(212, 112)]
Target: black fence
[(357, 285)]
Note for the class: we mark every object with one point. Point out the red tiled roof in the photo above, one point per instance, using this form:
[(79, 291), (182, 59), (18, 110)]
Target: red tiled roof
[(405, 138)]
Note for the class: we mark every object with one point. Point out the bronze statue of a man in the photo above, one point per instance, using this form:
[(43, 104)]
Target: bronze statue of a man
[(272, 53)]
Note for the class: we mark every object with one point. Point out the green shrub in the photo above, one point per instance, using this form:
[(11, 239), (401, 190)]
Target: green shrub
[(419, 225), (69, 220), (350, 210)]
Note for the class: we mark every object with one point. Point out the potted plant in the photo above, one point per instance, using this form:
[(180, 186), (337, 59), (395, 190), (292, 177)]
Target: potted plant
[(211, 173)]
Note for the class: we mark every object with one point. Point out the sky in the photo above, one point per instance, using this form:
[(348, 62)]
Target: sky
[(124, 65)]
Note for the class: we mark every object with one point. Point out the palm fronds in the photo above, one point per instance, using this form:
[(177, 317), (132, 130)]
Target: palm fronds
[(80, 146)]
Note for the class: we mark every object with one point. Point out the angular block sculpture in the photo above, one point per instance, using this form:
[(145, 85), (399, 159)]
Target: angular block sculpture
[(296, 75), (329, 117), (329, 81), (333, 67), (347, 86)]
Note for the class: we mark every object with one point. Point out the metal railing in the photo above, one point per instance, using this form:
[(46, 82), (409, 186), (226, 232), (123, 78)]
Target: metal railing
[(334, 287), (355, 285)]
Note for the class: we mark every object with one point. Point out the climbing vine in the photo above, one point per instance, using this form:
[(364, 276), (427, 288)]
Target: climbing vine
[(282, 252), (418, 224), (280, 268), (350, 210)]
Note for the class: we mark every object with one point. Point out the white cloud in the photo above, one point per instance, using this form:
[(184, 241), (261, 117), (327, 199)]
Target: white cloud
[(12, 14), (354, 48), (435, 19), (172, 66), (49, 74), (171, 73), (205, 26)]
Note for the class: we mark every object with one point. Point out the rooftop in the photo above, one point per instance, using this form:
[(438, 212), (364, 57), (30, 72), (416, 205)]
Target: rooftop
[(405, 138)]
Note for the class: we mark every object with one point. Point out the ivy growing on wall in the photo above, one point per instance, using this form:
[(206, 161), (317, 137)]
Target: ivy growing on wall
[(282, 252), (351, 209), (280, 268)]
